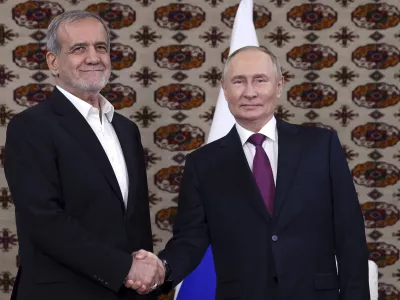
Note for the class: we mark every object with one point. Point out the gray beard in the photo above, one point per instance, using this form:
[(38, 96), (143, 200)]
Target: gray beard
[(84, 85), (90, 87)]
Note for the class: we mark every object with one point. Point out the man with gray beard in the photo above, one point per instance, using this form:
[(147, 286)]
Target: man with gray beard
[(77, 174)]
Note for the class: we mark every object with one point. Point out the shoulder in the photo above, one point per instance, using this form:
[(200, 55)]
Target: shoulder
[(309, 133), (124, 121), (315, 131), (206, 151), (208, 159), (31, 118)]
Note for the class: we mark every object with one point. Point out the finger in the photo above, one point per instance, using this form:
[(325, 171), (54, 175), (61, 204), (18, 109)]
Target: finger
[(153, 276), (160, 263), (136, 285), (160, 266), (156, 279), (141, 251), (129, 283), (161, 278), (141, 254), (148, 281), (142, 290), (161, 274)]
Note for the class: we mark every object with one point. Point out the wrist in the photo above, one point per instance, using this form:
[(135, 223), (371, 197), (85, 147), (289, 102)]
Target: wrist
[(167, 270)]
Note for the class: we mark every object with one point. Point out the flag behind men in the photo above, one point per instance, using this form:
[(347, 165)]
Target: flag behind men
[(201, 283)]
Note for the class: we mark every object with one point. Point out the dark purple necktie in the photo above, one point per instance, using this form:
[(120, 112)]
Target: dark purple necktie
[(262, 172)]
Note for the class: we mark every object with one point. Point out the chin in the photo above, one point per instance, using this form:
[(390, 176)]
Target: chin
[(92, 86), (252, 116)]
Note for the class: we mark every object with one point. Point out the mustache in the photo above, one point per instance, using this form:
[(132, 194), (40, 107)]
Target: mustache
[(95, 67), (92, 69)]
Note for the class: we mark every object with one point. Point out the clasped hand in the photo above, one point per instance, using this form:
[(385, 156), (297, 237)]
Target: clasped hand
[(146, 274)]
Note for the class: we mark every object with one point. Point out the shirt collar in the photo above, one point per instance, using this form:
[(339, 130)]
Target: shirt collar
[(84, 108), (269, 130)]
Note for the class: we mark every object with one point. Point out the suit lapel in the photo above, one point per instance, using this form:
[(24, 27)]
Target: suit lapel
[(126, 139), (289, 154), (238, 170), (77, 126)]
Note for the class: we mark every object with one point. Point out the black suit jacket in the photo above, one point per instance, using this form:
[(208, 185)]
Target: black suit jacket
[(287, 256), (75, 235)]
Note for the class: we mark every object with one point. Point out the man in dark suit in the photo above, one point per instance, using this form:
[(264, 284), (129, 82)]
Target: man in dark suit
[(276, 201), (77, 174)]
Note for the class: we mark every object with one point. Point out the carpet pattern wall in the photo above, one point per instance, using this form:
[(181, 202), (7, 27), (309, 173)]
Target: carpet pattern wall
[(340, 59)]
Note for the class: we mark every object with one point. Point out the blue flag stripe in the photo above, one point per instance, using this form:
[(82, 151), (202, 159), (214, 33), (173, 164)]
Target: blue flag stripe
[(201, 283)]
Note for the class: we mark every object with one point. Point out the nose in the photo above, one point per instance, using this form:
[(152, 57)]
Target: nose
[(250, 92), (92, 56)]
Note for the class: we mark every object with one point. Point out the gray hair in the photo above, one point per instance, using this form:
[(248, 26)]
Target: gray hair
[(69, 17), (263, 49)]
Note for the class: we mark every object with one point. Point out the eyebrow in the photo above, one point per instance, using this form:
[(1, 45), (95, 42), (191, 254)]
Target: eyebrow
[(260, 75), (86, 44)]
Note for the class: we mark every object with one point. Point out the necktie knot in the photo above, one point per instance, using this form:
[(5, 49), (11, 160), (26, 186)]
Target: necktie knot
[(257, 139)]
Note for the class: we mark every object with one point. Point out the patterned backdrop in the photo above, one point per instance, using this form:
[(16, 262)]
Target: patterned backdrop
[(340, 59)]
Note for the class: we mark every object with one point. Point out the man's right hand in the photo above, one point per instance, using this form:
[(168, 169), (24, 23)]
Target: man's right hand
[(147, 272)]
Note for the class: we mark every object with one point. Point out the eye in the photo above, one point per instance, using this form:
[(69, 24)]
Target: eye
[(237, 81), (78, 49), (260, 80), (102, 48)]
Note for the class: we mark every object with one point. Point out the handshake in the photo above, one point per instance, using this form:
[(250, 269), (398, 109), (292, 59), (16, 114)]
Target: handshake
[(146, 274)]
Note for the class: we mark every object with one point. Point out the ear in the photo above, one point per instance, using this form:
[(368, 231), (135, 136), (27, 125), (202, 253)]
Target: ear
[(280, 87), (52, 62), (223, 85)]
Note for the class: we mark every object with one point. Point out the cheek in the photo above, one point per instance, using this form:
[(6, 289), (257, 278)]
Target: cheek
[(71, 66), (233, 101), (106, 60), (268, 93), (235, 94), (66, 67)]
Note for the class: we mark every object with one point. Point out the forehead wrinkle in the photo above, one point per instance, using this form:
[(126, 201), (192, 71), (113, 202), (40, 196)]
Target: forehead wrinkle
[(264, 73)]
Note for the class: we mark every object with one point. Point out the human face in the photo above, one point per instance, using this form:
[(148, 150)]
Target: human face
[(83, 65), (252, 88)]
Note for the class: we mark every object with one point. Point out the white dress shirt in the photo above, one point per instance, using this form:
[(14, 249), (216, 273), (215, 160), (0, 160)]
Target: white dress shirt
[(270, 145), (106, 134)]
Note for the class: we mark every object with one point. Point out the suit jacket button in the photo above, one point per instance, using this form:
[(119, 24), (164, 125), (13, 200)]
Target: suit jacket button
[(274, 238)]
